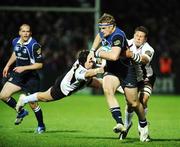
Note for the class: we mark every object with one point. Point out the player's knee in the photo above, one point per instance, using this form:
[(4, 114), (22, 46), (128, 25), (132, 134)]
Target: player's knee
[(129, 108), (3, 97), (134, 104), (108, 91), (144, 101), (33, 105)]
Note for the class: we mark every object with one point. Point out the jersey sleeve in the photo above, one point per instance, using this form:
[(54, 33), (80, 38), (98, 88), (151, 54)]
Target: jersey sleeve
[(80, 74), (148, 52), (120, 41), (13, 43), (37, 52)]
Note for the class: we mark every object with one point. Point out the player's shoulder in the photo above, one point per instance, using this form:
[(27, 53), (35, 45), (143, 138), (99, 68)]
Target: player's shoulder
[(147, 46), (130, 41), (81, 69), (34, 43), (77, 67), (119, 32), (118, 37), (15, 40), (33, 40)]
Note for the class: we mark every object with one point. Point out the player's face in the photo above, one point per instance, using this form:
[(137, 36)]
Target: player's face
[(25, 33), (139, 38), (89, 63), (106, 30)]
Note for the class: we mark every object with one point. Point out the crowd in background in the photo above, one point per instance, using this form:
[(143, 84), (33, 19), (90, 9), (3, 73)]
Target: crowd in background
[(62, 35)]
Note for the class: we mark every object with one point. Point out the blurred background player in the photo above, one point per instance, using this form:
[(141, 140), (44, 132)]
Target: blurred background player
[(80, 75), (119, 71), (28, 58), (141, 53)]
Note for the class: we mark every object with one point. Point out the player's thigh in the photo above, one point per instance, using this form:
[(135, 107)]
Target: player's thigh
[(131, 94), (31, 86), (110, 83), (33, 105), (144, 97), (45, 96), (8, 89)]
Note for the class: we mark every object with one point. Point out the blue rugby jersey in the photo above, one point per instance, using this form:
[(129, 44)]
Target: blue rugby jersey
[(117, 38), (27, 53)]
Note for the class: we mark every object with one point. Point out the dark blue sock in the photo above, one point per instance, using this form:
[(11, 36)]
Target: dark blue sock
[(11, 102), (143, 123), (39, 116), (116, 113)]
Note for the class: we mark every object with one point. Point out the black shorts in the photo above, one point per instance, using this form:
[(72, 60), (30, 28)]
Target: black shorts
[(56, 92), (29, 82), (126, 77)]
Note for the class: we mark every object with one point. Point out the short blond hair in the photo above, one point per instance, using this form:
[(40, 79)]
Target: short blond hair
[(107, 18), (23, 25)]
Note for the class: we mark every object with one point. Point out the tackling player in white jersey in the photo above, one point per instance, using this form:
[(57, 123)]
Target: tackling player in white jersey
[(80, 75), (141, 53)]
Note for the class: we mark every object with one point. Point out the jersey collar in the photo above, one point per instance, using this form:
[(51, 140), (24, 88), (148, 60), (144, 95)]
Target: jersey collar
[(25, 43)]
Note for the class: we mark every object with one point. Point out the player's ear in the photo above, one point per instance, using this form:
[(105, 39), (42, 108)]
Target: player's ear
[(145, 40), (85, 64), (19, 33), (134, 35)]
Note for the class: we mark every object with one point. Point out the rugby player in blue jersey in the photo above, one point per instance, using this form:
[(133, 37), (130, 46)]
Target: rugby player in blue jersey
[(119, 70), (24, 77)]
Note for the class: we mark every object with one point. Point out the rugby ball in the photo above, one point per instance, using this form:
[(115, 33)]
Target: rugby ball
[(106, 48)]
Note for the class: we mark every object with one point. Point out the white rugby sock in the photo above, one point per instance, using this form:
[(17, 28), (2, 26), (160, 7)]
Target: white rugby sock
[(128, 118)]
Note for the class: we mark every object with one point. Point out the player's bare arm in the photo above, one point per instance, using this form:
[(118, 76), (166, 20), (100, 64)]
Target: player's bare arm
[(113, 55), (34, 66), (144, 58), (95, 46), (94, 72), (96, 42), (9, 63)]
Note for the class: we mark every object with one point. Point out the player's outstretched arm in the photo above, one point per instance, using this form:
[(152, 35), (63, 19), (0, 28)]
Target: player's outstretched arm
[(93, 72)]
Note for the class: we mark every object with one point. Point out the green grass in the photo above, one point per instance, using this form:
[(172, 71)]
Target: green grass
[(85, 120)]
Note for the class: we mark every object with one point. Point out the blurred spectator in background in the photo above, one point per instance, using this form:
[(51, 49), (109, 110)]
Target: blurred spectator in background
[(167, 78), (60, 35)]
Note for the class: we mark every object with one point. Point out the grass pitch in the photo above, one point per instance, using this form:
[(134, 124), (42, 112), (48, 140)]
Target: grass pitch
[(85, 121)]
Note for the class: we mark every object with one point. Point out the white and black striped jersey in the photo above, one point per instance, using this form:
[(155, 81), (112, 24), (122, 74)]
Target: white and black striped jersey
[(142, 71), (74, 79)]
